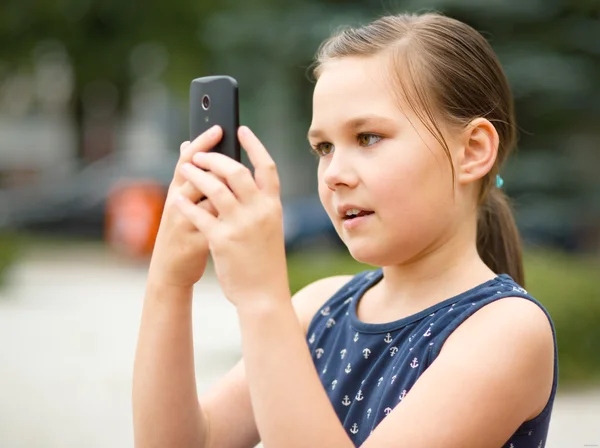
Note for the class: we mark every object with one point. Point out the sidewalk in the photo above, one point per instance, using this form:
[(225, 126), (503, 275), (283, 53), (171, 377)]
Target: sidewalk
[(68, 329)]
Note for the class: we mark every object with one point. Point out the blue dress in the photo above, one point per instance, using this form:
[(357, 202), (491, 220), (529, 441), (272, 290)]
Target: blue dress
[(367, 369)]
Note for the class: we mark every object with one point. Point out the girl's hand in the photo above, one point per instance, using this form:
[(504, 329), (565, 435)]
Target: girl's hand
[(181, 251), (246, 237)]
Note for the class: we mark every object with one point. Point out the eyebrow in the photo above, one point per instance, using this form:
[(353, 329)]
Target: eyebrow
[(354, 124)]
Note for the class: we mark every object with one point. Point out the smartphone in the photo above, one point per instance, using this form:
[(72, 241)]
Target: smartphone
[(214, 100)]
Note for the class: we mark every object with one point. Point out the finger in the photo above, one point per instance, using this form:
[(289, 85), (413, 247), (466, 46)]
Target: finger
[(183, 146), (236, 176), (203, 143), (214, 189), (205, 204), (265, 170), (203, 220), (191, 192)]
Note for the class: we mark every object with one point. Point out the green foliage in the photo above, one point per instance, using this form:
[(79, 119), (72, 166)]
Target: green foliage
[(567, 286), (9, 253)]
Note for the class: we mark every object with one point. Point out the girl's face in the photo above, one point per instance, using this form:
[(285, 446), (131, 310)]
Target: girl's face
[(379, 158)]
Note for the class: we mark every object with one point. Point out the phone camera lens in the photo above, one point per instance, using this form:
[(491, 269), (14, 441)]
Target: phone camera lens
[(205, 102)]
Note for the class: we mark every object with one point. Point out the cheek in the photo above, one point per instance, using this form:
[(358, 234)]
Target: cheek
[(416, 184)]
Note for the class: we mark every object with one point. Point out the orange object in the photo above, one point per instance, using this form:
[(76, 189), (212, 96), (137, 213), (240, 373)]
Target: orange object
[(133, 213)]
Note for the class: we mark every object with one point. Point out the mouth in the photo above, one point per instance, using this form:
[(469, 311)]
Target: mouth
[(355, 213)]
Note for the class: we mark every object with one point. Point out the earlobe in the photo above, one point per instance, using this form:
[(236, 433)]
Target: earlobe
[(479, 151)]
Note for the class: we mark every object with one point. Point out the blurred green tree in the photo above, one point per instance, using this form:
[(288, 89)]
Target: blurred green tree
[(99, 38)]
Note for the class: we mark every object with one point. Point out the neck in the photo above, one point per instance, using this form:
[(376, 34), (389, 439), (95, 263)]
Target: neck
[(449, 267)]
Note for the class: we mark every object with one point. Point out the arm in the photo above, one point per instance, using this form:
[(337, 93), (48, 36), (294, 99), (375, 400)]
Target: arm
[(290, 404), (449, 406), (228, 405), (165, 408), (164, 399)]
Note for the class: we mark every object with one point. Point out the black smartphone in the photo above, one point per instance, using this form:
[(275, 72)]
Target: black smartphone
[(214, 100)]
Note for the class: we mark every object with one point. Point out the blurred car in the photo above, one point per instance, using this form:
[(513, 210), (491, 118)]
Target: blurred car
[(116, 199)]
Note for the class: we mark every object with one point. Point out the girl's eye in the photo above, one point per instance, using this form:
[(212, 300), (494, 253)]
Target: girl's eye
[(322, 149), (367, 139)]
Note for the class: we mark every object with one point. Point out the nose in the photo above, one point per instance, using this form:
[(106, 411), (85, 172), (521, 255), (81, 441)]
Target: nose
[(340, 170)]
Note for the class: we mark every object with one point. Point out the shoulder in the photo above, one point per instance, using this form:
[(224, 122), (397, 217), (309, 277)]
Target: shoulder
[(309, 299), (494, 372), (509, 319), (511, 331)]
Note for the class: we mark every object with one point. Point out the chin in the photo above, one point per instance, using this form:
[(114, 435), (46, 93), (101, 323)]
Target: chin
[(368, 254), (380, 253)]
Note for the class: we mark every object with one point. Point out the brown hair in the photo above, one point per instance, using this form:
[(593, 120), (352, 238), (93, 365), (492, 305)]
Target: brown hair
[(450, 72)]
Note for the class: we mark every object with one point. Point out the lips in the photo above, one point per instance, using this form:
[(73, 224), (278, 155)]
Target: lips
[(349, 211), (361, 213)]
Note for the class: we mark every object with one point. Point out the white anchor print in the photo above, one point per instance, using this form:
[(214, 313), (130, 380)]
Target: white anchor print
[(402, 395), (359, 396), (348, 368), (541, 444), (348, 300), (432, 314), (473, 304), (511, 446), (325, 311), (388, 338), (393, 351), (529, 433), (366, 353), (333, 384), (451, 308), (356, 337), (343, 353), (431, 343), (319, 352), (312, 339), (394, 379), (518, 289), (346, 401), (387, 411), (354, 429), (427, 333), (369, 413), (415, 363), (330, 322), (379, 381), (325, 370)]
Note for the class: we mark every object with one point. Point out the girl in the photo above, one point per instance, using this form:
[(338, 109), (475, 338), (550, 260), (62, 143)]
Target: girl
[(439, 347)]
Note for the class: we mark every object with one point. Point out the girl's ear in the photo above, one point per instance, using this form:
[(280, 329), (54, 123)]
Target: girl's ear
[(479, 151)]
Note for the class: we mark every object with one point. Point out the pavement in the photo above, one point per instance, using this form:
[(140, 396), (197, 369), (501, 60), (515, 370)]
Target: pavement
[(69, 319)]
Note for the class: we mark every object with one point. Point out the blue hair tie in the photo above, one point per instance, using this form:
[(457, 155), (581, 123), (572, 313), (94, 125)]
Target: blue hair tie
[(499, 181)]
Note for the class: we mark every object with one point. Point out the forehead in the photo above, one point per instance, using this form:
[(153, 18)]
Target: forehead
[(353, 86)]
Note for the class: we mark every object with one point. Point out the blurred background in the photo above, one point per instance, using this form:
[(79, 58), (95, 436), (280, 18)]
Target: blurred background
[(93, 108)]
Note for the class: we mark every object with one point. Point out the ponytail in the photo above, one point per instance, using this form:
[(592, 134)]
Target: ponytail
[(498, 239)]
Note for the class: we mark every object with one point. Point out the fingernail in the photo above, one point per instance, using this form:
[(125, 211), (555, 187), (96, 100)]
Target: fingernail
[(212, 132), (245, 130)]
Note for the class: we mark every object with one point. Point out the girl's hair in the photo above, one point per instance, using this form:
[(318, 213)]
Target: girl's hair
[(450, 75)]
